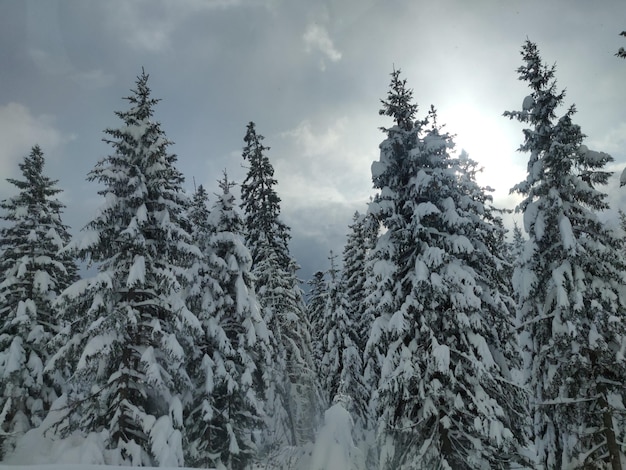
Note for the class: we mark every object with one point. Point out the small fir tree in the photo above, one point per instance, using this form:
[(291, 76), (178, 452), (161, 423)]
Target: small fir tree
[(34, 271)]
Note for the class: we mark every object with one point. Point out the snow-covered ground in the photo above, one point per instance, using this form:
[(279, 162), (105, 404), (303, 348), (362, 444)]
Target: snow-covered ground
[(334, 449)]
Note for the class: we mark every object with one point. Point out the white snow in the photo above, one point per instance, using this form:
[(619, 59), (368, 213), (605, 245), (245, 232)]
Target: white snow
[(88, 240), (42, 281), (334, 447), (97, 345), (528, 103), (567, 234), (137, 273), (593, 155), (13, 361), (441, 356), (378, 168)]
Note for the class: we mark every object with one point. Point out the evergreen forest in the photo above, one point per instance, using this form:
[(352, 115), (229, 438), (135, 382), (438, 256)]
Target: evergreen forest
[(438, 338)]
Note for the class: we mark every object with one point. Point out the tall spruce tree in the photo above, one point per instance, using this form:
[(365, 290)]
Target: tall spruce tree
[(34, 271), (293, 394), (570, 285), (261, 204), (128, 327), (227, 410), (446, 393)]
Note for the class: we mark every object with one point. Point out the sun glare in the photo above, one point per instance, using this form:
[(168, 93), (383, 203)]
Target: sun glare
[(491, 142)]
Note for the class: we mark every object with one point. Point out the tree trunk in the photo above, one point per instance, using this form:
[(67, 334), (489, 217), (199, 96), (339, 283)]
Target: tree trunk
[(609, 433)]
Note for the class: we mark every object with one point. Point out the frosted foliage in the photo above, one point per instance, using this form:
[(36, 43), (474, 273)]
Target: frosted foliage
[(123, 352), (34, 271), (359, 244), (444, 310), (569, 285), (528, 104), (441, 356), (340, 369), (293, 409), (567, 234), (166, 442), (137, 273), (226, 409)]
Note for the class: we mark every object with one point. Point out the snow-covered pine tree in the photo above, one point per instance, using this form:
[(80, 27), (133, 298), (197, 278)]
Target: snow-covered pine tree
[(341, 366), (128, 327), (293, 394), (34, 271), (517, 244), (226, 412), (514, 250), (199, 222), (261, 204), (316, 306), (570, 285), (446, 394), (359, 243)]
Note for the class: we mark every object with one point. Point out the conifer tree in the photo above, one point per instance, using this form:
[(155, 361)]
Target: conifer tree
[(354, 277), (359, 243), (34, 271), (517, 245), (227, 409), (570, 285), (261, 204), (446, 397), (341, 368), (293, 395), (128, 327), (316, 306), (199, 221)]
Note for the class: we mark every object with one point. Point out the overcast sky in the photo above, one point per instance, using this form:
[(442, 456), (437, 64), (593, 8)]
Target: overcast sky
[(310, 74)]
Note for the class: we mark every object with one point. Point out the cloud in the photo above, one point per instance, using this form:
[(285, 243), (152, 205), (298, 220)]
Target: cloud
[(49, 64), (324, 164), (59, 65), (613, 141), (316, 144), (148, 25), (20, 130), (316, 38), (93, 79)]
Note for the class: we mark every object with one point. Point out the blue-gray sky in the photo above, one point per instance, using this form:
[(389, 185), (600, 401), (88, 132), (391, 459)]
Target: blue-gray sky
[(310, 74)]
